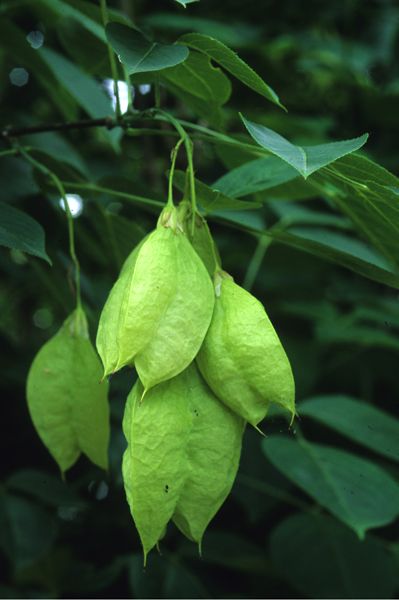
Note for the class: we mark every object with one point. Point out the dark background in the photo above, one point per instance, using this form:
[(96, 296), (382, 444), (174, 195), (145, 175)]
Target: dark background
[(334, 65)]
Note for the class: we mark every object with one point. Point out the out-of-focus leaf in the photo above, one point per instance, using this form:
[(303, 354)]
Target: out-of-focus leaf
[(59, 148), (15, 40), (355, 490), (326, 244), (83, 88), (365, 192), (230, 61), (138, 54), (212, 200), (357, 420), (163, 577), (17, 179), (27, 531), (232, 34), (305, 159), (18, 230), (41, 486), (322, 559)]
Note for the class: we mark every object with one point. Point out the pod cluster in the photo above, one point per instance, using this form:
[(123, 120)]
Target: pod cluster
[(208, 361)]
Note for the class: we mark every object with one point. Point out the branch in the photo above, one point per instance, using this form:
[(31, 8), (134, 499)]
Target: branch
[(108, 122)]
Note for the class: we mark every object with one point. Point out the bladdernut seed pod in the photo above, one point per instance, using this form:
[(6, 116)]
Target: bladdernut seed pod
[(159, 310), (242, 358)]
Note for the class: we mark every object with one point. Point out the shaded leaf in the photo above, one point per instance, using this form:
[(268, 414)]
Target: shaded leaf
[(138, 54), (82, 87), (27, 531), (164, 577), (357, 420), (355, 490), (305, 159), (322, 559), (19, 231)]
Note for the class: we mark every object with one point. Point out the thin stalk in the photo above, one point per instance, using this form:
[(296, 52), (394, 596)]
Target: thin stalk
[(172, 172), (112, 61), (256, 261), (72, 251), (92, 187), (189, 152)]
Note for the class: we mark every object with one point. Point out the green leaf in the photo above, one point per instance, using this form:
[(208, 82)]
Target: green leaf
[(163, 577), (14, 39), (230, 61), (355, 490), (19, 231), (65, 10), (46, 488), (197, 76), (305, 159), (255, 176), (322, 559), (342, 250), (212, 200), (66, 399), (323, 243), (138, 54), (59, 148), (27, 531), (357, 420), (83, 88), (364, 191)]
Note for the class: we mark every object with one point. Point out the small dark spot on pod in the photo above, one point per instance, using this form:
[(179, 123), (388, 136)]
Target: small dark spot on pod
[(166, 489), (196, 412)]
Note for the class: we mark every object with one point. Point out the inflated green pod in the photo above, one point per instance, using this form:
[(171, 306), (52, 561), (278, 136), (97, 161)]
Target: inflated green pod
[(159, 310), (212, 453), (242, 358), (154, 464), (67, 402)]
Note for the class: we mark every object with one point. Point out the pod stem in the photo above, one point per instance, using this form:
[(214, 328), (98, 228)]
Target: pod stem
[(188, 144), (172, 171), (71, 233), (112, 61)]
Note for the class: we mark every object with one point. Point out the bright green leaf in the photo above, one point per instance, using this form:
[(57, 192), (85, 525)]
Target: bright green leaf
[(360, 421), (356, 491), (18, 230), (322, 559), (305, 159), (230, 61), (255, 176), (138, 54)]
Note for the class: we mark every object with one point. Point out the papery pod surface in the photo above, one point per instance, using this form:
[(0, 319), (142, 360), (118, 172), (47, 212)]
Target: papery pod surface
[(160, 308), (213, 453), (67, 402), (198, 233), (242, 358), (154, 463), (107, 340), (184, 323), (137, 301)]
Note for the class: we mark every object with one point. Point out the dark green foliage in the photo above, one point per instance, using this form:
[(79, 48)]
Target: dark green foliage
[(313, 510)]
